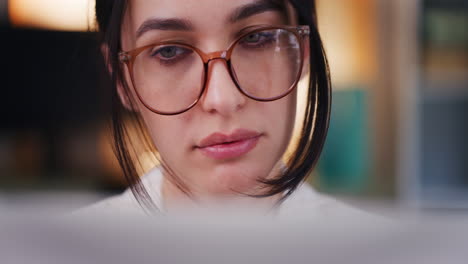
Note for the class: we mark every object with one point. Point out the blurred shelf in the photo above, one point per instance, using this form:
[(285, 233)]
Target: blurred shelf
[(444, 91)]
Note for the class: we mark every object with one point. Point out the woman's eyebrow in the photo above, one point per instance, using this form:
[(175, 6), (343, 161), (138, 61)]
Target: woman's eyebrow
[(254, 8), (179, 24), (176, 24)]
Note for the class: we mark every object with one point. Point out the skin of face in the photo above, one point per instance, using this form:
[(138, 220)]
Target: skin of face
[(221, 109)]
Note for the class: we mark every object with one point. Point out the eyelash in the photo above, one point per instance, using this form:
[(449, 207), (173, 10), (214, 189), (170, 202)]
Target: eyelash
[(265, 39), (168, 61)]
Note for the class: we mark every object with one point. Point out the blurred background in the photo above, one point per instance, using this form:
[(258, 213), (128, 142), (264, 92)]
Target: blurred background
[(399, 127)]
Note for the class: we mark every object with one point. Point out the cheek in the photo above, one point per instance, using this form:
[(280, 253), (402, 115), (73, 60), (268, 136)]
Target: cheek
[(281, 116), (168, 133), (278, 117)]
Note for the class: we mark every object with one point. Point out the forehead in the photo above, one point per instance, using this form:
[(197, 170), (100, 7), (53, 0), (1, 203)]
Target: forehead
[(201, 9), (200, 13)]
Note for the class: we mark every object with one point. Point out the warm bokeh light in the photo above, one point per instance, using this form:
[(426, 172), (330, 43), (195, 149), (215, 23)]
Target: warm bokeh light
[(62, 15), (348, 30)]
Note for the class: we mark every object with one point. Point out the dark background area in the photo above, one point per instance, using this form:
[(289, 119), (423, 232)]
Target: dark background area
[(55, 106)]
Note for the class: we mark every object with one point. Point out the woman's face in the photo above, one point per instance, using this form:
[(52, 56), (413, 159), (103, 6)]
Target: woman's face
[(226, 141)]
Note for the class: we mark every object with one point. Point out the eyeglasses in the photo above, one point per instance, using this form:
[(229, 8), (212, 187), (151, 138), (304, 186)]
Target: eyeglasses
[(265, 64)]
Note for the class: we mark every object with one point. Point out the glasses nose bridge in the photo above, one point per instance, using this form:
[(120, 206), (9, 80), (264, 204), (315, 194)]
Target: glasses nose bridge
[(216, 55)]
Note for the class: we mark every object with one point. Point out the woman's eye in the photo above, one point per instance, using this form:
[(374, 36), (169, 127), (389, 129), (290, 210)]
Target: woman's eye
[(258, 39), (252, 38), (170, 53)]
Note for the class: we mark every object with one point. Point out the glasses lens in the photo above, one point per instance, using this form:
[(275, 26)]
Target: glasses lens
[(168, 78), (267, 63)]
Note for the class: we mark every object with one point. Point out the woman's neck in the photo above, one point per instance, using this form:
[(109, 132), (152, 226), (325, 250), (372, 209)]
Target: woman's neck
[(174, 199)]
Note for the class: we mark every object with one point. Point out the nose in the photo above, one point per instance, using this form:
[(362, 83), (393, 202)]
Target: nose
[(221, 94)]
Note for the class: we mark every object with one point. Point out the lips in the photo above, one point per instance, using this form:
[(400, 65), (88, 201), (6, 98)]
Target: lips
[(221, 146)]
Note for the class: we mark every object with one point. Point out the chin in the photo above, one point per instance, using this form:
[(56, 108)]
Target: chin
[(228, 181)]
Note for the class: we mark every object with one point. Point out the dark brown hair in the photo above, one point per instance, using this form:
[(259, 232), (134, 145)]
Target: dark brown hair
[(109, 16)]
